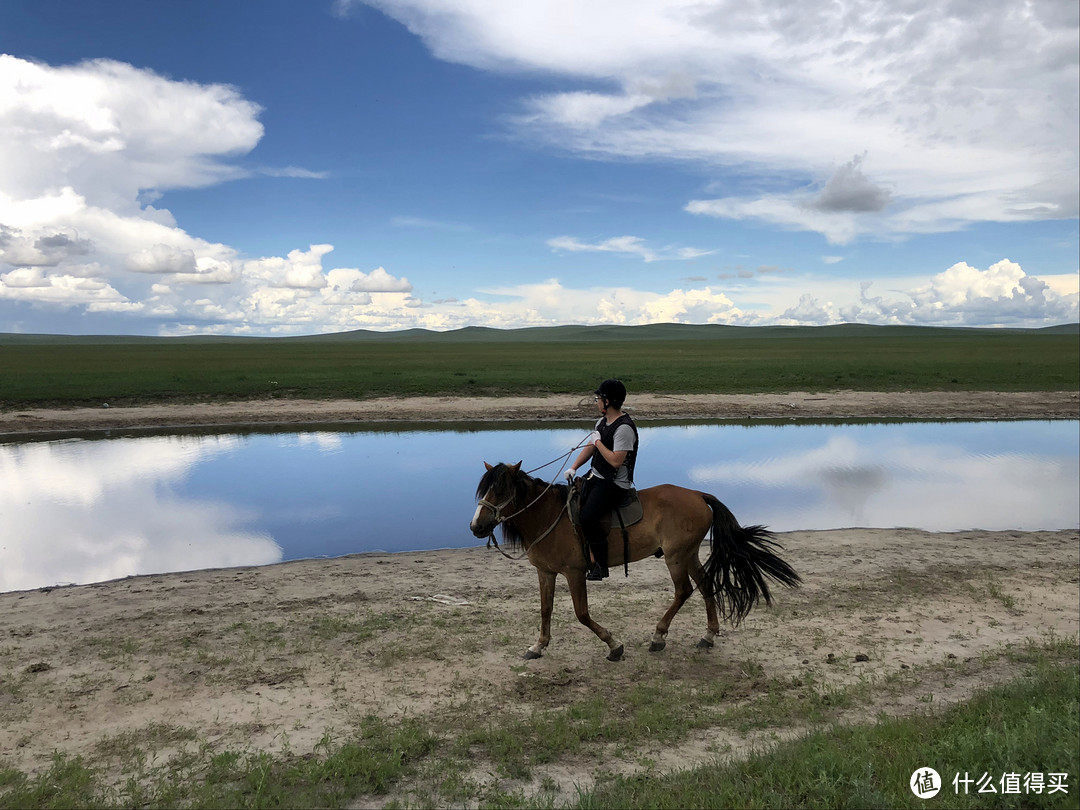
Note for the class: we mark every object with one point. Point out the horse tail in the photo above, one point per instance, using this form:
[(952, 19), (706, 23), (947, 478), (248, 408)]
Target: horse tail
[(740, 565)]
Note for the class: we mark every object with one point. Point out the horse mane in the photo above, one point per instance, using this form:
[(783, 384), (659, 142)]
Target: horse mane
[(503, 481)]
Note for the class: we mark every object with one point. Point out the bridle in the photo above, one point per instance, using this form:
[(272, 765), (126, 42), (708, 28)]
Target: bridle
[(496, 511)]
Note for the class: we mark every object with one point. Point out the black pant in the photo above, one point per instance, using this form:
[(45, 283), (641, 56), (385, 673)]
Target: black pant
[(597, 500)]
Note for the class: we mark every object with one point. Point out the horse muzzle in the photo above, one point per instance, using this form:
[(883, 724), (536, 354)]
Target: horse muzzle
[(483, 523)]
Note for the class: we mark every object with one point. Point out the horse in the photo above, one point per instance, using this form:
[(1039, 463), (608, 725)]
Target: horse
[(533, 515)]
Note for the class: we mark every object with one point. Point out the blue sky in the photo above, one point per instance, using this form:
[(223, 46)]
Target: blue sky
[(272, 167)]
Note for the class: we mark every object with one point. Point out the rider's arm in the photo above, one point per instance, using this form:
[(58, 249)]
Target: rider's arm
[(583, 458), (613, 457), (624, 443)]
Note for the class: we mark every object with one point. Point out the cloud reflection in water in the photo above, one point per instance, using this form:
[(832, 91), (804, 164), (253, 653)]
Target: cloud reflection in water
[(85, 511), (88, 511), (910, 475)]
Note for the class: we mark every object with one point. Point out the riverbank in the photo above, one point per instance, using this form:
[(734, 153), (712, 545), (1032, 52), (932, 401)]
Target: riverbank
[(794, 405)]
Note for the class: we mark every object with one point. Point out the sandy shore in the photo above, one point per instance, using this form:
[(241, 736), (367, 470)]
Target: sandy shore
[(276, 657), (796, 405)]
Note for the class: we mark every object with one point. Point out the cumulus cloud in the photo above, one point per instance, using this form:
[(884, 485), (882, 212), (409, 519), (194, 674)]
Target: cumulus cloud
[(162, 259), (551, 303), (850, 190), (935, 92), (47, 249), (85, 148), (111, 130), (962, 295)]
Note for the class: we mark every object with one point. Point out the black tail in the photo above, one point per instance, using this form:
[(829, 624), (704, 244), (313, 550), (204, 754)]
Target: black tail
[(740, 564)]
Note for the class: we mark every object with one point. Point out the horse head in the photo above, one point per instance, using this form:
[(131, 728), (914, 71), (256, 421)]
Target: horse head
[(496, 494)]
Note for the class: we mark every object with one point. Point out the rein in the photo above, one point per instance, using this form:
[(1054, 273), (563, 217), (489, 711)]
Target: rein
[(496, 510)]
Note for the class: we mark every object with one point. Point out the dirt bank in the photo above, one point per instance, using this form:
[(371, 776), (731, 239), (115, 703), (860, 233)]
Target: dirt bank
[(798, 405)]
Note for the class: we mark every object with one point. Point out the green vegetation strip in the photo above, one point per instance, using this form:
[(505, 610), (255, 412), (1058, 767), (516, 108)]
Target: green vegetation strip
[(1030, 725), (39, 370)]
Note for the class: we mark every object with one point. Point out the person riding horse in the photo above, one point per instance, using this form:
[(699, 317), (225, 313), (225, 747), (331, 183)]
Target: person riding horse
[(612, 450)]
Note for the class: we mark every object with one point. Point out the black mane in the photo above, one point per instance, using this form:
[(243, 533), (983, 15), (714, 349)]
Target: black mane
[(502, 481)]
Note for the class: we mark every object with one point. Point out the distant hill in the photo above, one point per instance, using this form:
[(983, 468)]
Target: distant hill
[(558, 334)]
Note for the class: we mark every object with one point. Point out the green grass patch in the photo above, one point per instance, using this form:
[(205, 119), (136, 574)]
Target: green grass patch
[(1029, 726), (330, 776), (657, 359)]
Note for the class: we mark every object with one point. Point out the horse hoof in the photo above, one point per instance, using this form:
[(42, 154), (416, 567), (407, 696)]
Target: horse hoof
[(615, 654), (531, 655), (657, 646), (705, 644)]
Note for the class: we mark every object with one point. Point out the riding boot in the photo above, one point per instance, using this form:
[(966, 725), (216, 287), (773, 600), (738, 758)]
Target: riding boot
[(599, 569)]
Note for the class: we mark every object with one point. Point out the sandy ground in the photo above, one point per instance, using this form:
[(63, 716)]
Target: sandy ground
[(796, 405), (277, 657)]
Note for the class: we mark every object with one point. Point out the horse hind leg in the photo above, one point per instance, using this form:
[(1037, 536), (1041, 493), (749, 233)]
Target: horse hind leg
[(708, 641), (683, 590)]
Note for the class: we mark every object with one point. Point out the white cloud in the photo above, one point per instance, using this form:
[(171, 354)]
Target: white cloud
[(162, 259), (628, 246), (86, 145), (111, 130), (863, 125), (1001, 295), (968, 111)]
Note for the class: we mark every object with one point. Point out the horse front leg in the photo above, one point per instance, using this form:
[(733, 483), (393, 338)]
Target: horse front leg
[(683, 590), (580, 595), (547, 601)]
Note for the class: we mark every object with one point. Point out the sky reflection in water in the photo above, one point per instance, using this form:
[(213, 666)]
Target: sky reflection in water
[(86, 511)]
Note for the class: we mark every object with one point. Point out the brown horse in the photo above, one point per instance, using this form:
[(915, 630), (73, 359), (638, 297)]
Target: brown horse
[(533, 516)]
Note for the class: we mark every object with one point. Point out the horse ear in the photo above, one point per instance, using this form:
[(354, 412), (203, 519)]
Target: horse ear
[(488, 466), (516, 467)]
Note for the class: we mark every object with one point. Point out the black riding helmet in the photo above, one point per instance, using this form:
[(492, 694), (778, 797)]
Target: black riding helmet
[(613, 391)]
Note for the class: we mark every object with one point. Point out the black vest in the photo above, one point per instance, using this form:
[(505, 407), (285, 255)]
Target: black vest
[(607, 438)]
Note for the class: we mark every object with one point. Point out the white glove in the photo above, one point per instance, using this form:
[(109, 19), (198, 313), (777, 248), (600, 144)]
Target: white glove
[(569, 474), (594, 437)]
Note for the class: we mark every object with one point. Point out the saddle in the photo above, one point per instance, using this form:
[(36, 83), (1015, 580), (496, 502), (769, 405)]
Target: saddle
[(626, 513)]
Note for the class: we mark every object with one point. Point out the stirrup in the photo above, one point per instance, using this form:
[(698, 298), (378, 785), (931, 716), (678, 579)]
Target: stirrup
[(596, 573)]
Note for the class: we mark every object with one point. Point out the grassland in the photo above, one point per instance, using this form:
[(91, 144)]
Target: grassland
[(666, 358), (1033, 720)]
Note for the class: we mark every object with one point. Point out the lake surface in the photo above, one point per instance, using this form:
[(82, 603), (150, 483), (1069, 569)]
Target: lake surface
[(88, 510)]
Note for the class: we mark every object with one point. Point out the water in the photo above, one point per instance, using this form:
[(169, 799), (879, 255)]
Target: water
[(82, 510)]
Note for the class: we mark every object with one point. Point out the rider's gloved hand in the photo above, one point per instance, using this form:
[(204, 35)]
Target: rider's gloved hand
[(569, 474), (594, 437)]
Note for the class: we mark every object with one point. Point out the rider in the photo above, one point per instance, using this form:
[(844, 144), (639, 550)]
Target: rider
[(612, 448)]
